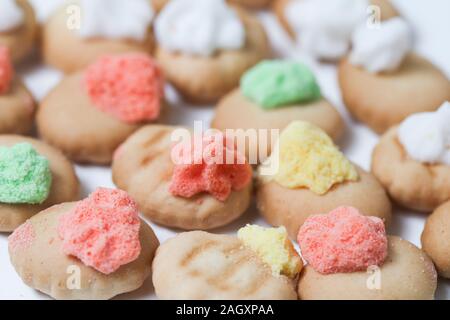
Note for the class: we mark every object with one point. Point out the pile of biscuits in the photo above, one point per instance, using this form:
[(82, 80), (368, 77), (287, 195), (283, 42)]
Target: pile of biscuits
[(329, 216)]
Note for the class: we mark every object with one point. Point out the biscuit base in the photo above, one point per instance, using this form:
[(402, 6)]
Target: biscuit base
[(387, 10), (69, 120), (406, 274), (290, 208), (386, 99), (43, 266), (436, 239), (65, 186), (21, 40), (204, 80), (412, 184), (17, 110), (235, 111), (251, 4), (65, 50), (143, 167), (203, 266)]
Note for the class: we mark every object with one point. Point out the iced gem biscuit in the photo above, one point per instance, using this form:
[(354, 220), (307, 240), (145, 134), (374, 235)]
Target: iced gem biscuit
[(350, 257), (109, 100), (33, 177), (381, 49), (274, 248), (272, 95), (6, 70), (382, 60), (207, 169), (102, 230), (417, 150), (205, 46), (43, 13), (436, 239), (252, 4), (426, 136), (16, 102), (306, 174), (308, 158), (17, 27), (199, 29), (11, 15), (25, 175), (120, 21), (273, 84), (96, 248), (178, 180), (106, 27), (129, 87), (203, 266), (343, 241), (324, 28)]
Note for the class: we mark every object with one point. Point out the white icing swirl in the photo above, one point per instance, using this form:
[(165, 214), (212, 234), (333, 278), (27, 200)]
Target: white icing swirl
[(381, 49), (324, 28), (199, 27), (11, 15), (426, 136), (116, 19)]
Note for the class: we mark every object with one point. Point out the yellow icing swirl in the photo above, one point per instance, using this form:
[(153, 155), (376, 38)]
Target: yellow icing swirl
[(274, 248), (309, 158)]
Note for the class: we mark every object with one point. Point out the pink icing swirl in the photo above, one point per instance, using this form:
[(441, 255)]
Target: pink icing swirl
[(6, 70), (102, 230), (211, 164), (343, 241), (129, 87)]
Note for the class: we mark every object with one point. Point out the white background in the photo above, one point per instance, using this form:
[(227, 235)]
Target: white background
[(431, 26)]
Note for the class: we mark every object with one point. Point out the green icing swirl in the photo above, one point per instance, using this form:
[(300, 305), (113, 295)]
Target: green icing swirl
[(25, 176), (277, 83)]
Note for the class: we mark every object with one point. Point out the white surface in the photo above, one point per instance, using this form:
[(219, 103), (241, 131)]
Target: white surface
[(431, 25)]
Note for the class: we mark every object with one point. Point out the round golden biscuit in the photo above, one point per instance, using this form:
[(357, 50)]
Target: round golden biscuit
[(64, 49), (387, 11), (436, 239), (290, 208), (20, 40), (69, 120), (143, 167), (65, 186), (410, 183), (235, 111), (43, 266), (206, 79), (418, 86), (17, 110), (406, 274), (251, 4), (158, 5), (203, 266)]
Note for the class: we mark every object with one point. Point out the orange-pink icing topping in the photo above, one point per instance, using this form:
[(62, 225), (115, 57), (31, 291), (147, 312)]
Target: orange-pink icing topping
[(129, 87), (102, 230), (6, 70), (209, 164), (343, 241)]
